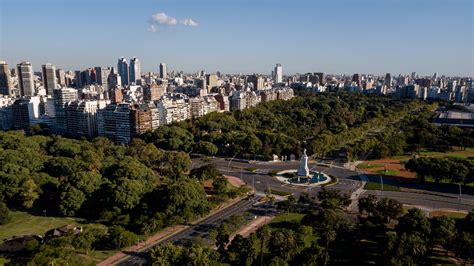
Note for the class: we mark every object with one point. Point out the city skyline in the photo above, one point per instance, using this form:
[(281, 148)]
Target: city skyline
[(331, 37)]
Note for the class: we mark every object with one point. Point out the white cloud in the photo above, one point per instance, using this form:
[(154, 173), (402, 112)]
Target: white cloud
[(163, 19), (159, 21), (189, 22), (152, 28)]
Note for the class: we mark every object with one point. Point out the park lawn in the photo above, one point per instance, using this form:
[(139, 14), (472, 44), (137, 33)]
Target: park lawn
[(376, 186), (454, 215), (368, 165), (468, 152), (23, 223), (97, 256), (291, 217), (278, 192), (388, 172), (397, 163)]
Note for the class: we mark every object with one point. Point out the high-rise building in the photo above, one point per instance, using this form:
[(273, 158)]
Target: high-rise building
[(140, 119), (26, 79), (135, 70), (257, 81), (6, 85), (388, 80), (114, 123), (82, 117), (102, 76), (116, 95), (163, 71), (114, 80), (211, 81), (320, 76), (21, 113), (61, 75), (357, 78), (153, 92), (123, 71), (61, 98), (49, 78), (278, 74)]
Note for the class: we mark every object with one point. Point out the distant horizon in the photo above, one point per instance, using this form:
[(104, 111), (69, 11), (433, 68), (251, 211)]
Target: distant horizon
[(341, 36), (36, 70)]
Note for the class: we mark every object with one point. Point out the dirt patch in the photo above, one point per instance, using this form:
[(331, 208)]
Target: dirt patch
[(253, 226), (389, 164), (454, 214), (234, 181)]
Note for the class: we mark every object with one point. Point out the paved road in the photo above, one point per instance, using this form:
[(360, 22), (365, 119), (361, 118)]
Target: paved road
[(201, 230), (348, 182)]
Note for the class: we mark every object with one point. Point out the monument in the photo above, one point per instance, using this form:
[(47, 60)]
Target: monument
[(303, 170)]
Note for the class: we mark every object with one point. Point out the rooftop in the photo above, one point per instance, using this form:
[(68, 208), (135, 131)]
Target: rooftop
[(456, 115)]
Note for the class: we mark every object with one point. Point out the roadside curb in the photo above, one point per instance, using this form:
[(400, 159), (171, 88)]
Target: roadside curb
[(164, 238)]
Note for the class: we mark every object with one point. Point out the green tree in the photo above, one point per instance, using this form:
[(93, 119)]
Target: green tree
[(283, 243), (205, 172), (242, 251), (185, 199), (414, 222), (206, 148), (71, 200), (4, 213), (28, 193), (120, 238), (222, 239), (220, 185), (443, 231), (333, 199)]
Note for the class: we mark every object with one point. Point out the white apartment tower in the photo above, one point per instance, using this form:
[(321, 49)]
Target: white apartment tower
[(278, 74), (49, 78), (163, 71), (26, 79), (135, 70)]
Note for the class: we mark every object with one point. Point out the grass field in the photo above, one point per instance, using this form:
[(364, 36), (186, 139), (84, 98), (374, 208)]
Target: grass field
[(279, 192), (469, 152), (23, 223), (376, 186), (396, 164), (368, 165), (288, 217), (454, 215), (388, 172)]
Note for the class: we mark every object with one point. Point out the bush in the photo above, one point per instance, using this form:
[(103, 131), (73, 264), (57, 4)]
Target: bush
[(4, 214)]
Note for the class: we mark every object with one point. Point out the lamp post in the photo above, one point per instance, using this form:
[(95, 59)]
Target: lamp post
[(460, 197), (381, 186)]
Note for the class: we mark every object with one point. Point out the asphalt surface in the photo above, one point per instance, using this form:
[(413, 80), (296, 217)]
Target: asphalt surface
[(348, 182), (261, 180), (250, 206)]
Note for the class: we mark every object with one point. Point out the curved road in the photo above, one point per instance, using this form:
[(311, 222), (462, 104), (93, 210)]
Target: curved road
[(348, 182)]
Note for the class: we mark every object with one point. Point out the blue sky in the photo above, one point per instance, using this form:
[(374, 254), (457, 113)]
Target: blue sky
[(246, 36)]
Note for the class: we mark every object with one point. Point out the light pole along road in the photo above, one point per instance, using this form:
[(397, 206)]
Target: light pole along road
[(261, 180)]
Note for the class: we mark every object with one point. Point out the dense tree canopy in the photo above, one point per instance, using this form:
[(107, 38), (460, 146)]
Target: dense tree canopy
[(98, 180)]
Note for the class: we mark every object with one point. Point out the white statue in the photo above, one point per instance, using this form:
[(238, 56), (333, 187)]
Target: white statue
[(303, 170)]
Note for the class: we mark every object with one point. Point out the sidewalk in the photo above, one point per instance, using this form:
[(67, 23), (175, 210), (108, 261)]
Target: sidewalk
[(148, 242), (358, 192), (252, 227), (164, 233)]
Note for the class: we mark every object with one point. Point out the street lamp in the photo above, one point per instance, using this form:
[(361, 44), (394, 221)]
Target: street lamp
[(381, 186), (460, 197)]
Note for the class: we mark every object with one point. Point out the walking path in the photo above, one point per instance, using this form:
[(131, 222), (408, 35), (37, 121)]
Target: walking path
[(160, 235), (148, 242), (358, 192), (253, 226)]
